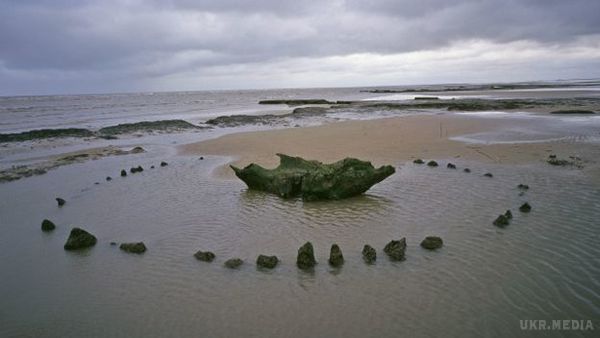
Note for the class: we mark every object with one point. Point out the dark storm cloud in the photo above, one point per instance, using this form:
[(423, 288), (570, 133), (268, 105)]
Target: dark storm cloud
[(154, 38)]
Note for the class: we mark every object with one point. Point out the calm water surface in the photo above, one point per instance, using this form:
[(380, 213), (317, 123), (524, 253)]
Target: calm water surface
[(481, 283)]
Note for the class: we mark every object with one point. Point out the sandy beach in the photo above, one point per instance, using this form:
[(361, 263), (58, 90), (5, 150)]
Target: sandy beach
[(381, 141)]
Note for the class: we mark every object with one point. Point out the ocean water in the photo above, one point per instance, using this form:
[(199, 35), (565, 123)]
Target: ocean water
[(483, 282)]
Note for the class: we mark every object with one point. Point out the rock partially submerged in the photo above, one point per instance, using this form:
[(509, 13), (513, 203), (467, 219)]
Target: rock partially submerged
[(205, 256), (501, 221), (137, 247), (432, 163), (60, 201), (44, 134), (523, 186), (572, 112), (451, 166), (296, 102), (306, 256), (148, 126), (369, 254), (79, 239), (335, 256), (313, 180), (233, 263), (526, 207), (47, 225), (488, 175), (432, 243), (418, 161), (267, 262), (396, 249)]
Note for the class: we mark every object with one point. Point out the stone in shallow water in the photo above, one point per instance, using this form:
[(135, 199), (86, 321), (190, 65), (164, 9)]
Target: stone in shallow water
[(508, 214), (79, 239), (123, 173), (60, 201), (451, 166), (526, 207), (306, 256), (432, 163), (432, 243), (396, 249), (268, 262), (233, 263), (205, 256), (335, 256), (488, 175), (137, 247), (313, 180), (467, 170), (369, 254), (164, 164), (523, 186), (418, 161), (47, 225), (501, 221)]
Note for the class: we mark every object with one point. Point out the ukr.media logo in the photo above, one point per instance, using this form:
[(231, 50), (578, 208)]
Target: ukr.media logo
[(557, 324)]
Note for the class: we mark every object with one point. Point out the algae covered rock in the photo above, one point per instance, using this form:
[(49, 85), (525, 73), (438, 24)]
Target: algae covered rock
[(396, 249), (526, 207), (306, 256), (313, 180), (432, 163), (335, 256), (268, 262), (79, 239), (432, 243), (137, 248), (369, 254), (47, 225), (233, 263), (501, 221), (205, 256)]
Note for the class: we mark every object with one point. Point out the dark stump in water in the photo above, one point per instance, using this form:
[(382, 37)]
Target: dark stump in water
[(79, 239), (313, 180)]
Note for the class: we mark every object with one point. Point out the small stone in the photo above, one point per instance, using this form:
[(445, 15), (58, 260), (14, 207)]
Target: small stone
[(137, 169), (136, 248), (396, 249), (123, 173), (201, 158), (151, 167), (113, 243), (268, 262), (369, 254), (47, 225), (432, 163), (525, 207), (164, 164), (418, 161), (60, 201), (501, 221), (96, 183), (205, 256), (508, 214), (432, 243), (108, 178), (523, 186), (335, 256), (233, 263), (552, 156), (451, 166), (488, 175), (79, 239), (137, 150), (467, 170), (306, 256)]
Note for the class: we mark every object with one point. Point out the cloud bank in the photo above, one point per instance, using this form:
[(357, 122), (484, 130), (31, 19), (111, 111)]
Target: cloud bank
[(70, 46)]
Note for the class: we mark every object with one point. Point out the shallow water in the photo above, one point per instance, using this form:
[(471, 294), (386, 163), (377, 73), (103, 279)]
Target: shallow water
[(482, 282)]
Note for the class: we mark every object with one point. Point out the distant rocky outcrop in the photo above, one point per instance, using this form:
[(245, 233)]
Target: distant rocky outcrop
[(296, 102), (79, 239), (313, 180), (148, 126)]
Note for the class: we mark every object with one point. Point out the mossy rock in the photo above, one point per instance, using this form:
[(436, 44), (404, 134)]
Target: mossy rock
[(267, 262), (501, 221), (233, 263), (432, 243), (336, 258), (137, 247), (47, 225), (396, 249), (526, 207), (313, 180), (418, 161), (432, 163), (306, 256), (369, 254), (79, 239), (205, 256), (508, 214)]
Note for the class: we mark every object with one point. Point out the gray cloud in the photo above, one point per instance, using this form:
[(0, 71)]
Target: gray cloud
[(149, 39)]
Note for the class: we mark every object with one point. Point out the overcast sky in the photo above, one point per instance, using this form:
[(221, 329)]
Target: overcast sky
[(97, 46)]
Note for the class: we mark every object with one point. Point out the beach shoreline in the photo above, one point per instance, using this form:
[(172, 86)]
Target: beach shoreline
[(383, 141)]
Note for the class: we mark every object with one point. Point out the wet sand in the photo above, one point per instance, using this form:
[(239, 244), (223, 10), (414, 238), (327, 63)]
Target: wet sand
[(381, 141)]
